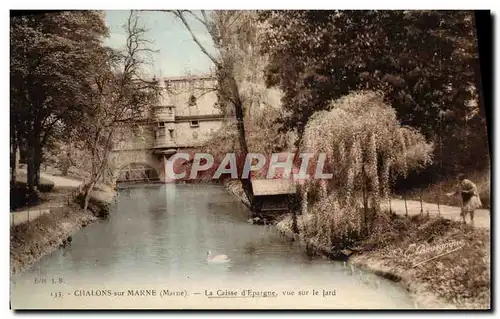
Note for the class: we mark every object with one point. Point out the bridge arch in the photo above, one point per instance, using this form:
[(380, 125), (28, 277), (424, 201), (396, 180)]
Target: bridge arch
[(137, 172)]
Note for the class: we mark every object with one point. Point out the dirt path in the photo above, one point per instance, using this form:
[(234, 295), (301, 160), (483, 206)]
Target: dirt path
[(57, 199), (61, 181), (481, 216), (33, 212)]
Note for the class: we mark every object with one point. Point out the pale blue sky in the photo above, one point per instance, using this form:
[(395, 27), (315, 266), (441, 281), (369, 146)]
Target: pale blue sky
[(178, 54)]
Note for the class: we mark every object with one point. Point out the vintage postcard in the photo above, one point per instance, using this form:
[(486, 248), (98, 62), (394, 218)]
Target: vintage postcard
[(265, 159)]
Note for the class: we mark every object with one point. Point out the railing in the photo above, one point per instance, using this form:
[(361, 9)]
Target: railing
[(163, 142), (137, 174), (34, 212), (164, 116)]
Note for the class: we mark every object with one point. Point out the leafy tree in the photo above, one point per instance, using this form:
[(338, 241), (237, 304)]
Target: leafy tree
[(424, 62), (52, 57), (249, 61), (119, 96), (221, 26), (366, 148)]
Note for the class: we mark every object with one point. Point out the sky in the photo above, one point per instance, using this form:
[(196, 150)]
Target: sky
[(177, 54)]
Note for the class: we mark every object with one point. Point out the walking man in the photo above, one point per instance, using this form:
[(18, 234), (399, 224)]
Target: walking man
[(470, 197)]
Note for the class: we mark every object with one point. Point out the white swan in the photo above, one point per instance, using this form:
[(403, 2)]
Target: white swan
[(217, 258)]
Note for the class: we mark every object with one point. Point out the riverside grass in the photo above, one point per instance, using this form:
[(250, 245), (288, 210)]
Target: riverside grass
[(443, 264)]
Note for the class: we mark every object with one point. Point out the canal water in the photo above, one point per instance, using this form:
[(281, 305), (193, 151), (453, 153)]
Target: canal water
[(152, 253)]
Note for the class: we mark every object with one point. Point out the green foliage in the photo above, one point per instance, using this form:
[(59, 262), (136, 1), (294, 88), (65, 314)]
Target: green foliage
[(241, 47), (53, 57), (366, 148), (425, 62), (262, 133)]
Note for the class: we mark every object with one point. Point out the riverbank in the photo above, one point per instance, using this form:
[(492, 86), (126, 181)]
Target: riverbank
[(32, 240), (441, 264), (234, 187)]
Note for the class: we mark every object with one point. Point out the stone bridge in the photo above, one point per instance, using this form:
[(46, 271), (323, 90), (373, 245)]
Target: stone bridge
[(185, 116)]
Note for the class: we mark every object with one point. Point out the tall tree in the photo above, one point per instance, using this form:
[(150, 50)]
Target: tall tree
[(423, 60), (220, 26), (119, 96), (52, 57)]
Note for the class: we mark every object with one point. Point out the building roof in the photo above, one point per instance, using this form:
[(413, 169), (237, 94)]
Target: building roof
[(273, 187)]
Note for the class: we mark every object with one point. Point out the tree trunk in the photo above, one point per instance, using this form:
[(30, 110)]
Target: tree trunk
[(295, 227), (14, 158), (406, 206), (240, 124), (30, 161), (37, 164), (88, 191), (66, 164), (477, 71)]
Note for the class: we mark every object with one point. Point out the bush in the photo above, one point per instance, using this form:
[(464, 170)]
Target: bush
[(98, 206), (18, 196), (45, 185), (366, 148)]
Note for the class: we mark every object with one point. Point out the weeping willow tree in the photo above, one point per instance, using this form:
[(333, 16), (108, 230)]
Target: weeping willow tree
[(366, 148)]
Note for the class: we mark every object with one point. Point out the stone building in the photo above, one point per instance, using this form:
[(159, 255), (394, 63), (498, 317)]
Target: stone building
[(187, 113), (184, 117)]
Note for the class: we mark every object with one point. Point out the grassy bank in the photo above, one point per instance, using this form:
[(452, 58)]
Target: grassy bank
[(441, 263), (29, 242)]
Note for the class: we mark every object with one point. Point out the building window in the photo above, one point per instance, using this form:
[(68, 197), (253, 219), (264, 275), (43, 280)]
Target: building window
[(160, 133), (161, 124), (169, 109), (195, 124), (171, 132), (192, 100)]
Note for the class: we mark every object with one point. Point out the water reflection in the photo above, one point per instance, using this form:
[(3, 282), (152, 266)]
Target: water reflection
[(161, 234)]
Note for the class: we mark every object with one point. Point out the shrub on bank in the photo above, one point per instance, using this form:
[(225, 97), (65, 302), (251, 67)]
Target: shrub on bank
[(98, 205), (19, 196), (44, 186), (366, 148), (402, 247), (459, 271)]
